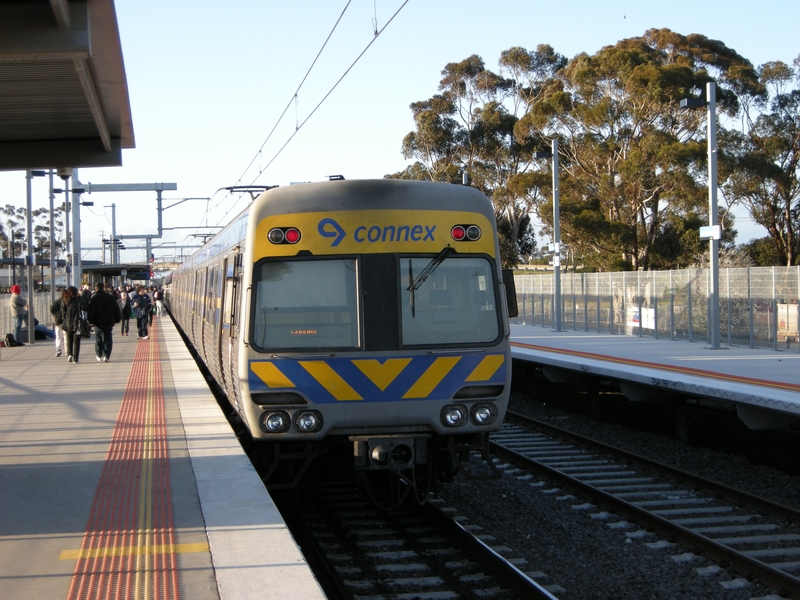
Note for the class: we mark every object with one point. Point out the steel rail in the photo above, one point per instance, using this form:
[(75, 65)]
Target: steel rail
[(720, 553), (510, 575)]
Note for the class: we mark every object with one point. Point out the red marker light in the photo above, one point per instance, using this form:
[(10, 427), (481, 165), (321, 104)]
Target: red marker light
[(458, 233), (292, 235)]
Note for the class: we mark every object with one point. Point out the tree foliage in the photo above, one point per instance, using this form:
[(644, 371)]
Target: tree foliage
[(13, 226), (762, 162), (633, 180)]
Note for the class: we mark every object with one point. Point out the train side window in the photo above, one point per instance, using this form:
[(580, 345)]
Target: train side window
[(227, 311)]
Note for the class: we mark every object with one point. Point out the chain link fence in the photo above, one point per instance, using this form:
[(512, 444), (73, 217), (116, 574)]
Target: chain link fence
[(758, 305), (41, 307)]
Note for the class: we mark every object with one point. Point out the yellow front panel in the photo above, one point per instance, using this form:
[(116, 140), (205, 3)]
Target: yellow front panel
[(373, 231)]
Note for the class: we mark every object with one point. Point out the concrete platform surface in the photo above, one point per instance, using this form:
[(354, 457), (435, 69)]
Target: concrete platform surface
[(58, 423), (763, 379)]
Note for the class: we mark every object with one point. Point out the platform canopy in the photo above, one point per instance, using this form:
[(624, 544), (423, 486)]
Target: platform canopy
[(63, 93)]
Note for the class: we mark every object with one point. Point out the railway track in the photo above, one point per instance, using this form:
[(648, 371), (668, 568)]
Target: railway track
[(755, 537), (361, 553)]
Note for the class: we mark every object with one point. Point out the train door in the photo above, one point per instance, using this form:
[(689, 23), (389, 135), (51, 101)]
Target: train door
[(224, 326), (230, 325), (203, 312)]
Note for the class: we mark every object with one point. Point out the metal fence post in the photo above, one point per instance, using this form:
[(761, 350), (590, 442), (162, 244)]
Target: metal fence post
[(774, 322), (597, 290), (730, 320), (611, 303), (585, 302), (689, 303), (750, 308)]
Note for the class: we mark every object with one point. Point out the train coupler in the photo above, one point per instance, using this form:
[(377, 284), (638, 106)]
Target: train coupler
[(461, 452)]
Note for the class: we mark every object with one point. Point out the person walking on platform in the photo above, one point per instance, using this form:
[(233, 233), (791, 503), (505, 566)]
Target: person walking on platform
[(72, 322), (140, 302), (57, 312), (124, 304), (19, 310), (103, 313), (84, 295), (159, 296), (152, 295)]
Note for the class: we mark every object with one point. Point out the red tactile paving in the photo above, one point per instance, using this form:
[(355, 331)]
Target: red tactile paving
[(128, 550)]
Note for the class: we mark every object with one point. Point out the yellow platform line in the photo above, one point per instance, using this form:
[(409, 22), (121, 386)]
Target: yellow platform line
[(134, 551)]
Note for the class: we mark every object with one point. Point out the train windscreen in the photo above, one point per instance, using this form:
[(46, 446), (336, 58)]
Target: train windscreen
[(303, 304), (448, 301)]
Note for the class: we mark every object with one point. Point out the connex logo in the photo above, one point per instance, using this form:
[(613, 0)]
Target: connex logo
[(374, 233), (337, 232)]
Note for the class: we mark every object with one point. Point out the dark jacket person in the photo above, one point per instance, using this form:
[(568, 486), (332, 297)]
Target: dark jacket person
[(103, 313)]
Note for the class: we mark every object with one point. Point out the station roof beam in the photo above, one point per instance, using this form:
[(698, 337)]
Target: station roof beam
[(63, 91)]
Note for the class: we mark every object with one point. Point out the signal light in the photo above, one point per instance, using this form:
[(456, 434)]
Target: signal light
[(473, 233), (284, 235), (292, 235), (465, 233)]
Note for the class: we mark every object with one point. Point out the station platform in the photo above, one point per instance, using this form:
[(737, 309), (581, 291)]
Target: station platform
[(124, 480), (764, 384)]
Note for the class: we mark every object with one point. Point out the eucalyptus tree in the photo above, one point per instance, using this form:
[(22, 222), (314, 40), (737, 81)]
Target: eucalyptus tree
[(762, 161), (633, 161), (469, 128)]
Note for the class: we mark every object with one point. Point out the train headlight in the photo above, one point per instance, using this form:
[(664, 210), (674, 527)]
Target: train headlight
[(454, 416), (483, 414), (458, 233), (308, 421), (276, 422)]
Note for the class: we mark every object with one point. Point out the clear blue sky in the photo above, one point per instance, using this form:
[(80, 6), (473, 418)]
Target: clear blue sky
[(208, 80)]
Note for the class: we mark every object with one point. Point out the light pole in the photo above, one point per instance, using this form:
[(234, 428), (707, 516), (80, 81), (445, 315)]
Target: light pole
[(556, 233), (29, 175), (712, 233)]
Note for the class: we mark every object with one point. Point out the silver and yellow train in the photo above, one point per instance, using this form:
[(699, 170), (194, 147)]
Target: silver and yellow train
[(369, 312)]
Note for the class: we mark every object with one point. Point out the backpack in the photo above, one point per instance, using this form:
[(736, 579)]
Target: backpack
[(10, 341)]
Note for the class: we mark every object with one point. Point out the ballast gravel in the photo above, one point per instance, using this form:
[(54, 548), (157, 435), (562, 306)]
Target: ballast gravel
[(576, 551)]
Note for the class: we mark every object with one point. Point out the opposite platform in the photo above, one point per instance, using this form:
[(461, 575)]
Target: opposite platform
[(124, 479), (762, 379)]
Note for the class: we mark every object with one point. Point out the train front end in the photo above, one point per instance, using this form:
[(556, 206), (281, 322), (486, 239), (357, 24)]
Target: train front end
[(376, 314)]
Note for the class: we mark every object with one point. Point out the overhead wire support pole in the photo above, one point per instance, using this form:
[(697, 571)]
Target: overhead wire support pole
[(556, 239), (712, 233), (713, 285), (52, 243)]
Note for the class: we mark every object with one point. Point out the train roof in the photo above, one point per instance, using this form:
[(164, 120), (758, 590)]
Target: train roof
[(373, 194)]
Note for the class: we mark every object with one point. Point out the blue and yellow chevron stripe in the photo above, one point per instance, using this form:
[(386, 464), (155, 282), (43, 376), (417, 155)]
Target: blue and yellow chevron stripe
[(352, 379)]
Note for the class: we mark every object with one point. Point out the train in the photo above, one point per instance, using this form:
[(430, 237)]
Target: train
[(365, 314)]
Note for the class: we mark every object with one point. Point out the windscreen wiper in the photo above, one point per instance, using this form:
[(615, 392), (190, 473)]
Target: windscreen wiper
[(424, 274)]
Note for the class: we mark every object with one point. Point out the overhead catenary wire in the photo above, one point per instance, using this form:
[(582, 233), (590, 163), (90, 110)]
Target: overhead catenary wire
[(300, 125), (292, 100)]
